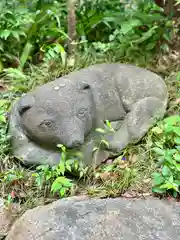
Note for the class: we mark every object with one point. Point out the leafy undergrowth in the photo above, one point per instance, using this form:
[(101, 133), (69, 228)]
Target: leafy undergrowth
[(167, 149), (137, 171)]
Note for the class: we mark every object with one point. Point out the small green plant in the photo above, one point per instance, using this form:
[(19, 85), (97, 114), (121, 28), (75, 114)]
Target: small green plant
[(4, 103), (102, 142), (167, 148), (55, 176)]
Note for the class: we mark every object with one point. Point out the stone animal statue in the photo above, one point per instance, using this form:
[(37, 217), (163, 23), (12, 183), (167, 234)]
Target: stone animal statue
[(69, 109)]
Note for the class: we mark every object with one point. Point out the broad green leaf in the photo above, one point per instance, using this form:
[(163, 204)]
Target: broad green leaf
[(64, 181), (157, 178), (172, 120), (165, 171), (158, 190), (169, 186), (56, 186)]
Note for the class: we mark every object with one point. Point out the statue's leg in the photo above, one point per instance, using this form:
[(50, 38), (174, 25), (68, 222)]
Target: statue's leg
[(144, 114), (100, 155)]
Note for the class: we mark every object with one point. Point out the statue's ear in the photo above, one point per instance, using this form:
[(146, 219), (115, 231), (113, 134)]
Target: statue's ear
[(25, 103), (84, 86)]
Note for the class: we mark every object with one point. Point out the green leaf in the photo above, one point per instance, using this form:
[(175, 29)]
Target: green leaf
[(177, 157), (68, 167), (165, 171), (64, 181), (69, 162), (104, 142), (129, 25), (159, 151), (62, 167), (176, 130), (145, 36), (108, 124), (177, 182), (157, 130), (150, 46), (76, 165), (59, 183), (81, 174), (2, 119), (172, 120), (5, 34), (158, 190), (177, 140), (157, 178), (100, 130), (25, 54), (62, 51), (178, 167), (15, 35), (3, 102), (62, 191), (56, 186), (175, 194), (63, 148), (168, 186), (109, 168), (95, 149)]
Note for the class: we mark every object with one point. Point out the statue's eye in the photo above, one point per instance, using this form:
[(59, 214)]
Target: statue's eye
[(47, 123), (82, 112)]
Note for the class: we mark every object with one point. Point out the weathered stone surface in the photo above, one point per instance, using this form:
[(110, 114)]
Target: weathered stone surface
[(100, 219), (7, 217), (69, 109)]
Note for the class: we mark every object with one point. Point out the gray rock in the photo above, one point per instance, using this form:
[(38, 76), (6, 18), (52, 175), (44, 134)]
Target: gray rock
[(100, 219), (69, 109), (7, 217)]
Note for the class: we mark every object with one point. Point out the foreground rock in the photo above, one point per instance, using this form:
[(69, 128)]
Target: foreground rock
[(67, 110), (107, 219), (7, 217)]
